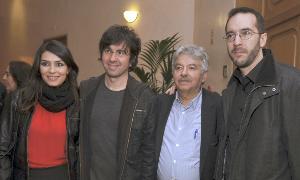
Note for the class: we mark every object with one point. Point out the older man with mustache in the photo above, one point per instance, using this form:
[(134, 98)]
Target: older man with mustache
[(188, 122)]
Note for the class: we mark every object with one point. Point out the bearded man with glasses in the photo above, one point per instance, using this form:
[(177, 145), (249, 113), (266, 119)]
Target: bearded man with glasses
[(261, 107)]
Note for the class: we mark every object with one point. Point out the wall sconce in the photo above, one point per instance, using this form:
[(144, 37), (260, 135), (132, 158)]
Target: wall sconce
[(130, 16)]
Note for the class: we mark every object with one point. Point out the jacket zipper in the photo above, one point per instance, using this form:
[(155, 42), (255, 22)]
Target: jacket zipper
[(243, 116), (244, 113), (127, 144)]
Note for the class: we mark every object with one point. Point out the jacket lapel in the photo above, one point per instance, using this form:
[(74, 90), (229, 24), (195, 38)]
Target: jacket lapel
[(125, 119), (256, 100), (163, 104), (88, 91), (88, 100), (265, 87), (227, 98), (204, 123)]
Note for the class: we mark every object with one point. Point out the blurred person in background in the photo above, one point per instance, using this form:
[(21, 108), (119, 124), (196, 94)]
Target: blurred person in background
[(16, 75)]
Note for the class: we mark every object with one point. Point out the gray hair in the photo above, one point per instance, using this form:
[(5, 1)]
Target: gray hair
[(196, 52)]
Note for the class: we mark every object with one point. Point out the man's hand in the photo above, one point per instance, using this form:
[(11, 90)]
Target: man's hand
[(171, 90)]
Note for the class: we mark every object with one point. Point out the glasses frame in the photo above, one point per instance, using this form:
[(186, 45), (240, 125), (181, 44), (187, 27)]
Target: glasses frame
[(244, 34), (118, 53)]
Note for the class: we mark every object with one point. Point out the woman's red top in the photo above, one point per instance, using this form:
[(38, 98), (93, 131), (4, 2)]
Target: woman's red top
[(47, 138)]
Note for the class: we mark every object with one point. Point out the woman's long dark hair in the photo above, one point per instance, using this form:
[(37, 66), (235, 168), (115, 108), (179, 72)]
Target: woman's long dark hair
[(19, 71), (29, 95)]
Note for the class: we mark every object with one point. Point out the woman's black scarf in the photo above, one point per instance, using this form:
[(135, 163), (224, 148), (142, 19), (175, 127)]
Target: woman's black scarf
[(56, 99)]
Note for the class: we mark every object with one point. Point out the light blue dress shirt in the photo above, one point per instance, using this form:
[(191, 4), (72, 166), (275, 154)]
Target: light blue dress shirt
[(180, 152)]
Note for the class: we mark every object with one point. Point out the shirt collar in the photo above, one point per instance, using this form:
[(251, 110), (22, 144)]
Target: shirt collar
[(194, 104), (251, 76)]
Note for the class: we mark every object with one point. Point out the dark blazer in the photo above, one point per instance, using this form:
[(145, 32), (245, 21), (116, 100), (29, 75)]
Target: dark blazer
[(211, 128)]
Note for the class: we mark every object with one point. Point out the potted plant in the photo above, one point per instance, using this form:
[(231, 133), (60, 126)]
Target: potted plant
[(156, 69)]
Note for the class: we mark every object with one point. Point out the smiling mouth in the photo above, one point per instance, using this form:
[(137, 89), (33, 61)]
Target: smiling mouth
[(113, 65), (53, 78)]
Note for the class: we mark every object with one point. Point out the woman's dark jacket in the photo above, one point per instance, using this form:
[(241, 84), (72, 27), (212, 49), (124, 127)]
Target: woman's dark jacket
[(13, 142), (2, 96)]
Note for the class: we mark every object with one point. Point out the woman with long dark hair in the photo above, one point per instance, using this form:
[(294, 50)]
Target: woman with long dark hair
[(39, 130), (16, 75)]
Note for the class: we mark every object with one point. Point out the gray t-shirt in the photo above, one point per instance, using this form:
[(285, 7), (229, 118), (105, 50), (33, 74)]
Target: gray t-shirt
[(103, 133)]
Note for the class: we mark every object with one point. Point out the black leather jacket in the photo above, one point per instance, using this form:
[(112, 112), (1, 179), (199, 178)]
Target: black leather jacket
[(2, 96), (14, 128), (136, 150)]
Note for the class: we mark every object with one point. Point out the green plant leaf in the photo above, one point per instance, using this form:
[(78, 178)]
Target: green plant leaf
[(156, 63)]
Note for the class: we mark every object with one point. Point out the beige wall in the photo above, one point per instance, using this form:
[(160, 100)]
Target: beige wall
[(211, 16), (24, 24)]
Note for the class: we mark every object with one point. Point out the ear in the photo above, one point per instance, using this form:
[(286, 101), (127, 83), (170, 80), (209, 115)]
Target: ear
[(263, 40), (131, 60), (204, 77)]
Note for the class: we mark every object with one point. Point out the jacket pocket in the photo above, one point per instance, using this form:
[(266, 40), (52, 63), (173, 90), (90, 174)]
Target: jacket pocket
[(138, 116), (214, 141)]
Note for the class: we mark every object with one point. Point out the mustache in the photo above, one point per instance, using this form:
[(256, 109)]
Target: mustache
[(238, 49), (184, 80)]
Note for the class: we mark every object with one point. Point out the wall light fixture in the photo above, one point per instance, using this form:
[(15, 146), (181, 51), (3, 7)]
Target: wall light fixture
[(130, 16)]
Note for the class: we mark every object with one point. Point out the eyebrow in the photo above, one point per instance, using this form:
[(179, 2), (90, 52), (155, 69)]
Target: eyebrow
[(186, 65), (55, 61), (243, 29), (49, 60)]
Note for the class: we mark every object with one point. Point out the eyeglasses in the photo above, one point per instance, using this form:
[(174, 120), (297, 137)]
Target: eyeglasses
[(244, 34), (118, 53)]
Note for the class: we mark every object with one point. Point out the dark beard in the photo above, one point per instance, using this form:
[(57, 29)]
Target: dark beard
[(250, 59)]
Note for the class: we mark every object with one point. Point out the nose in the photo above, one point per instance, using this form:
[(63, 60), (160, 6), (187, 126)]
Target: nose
[(237, 40), (52, 68), (184, 71), (113, 56)]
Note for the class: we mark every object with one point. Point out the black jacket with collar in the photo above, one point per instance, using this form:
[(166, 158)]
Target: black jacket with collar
[(267, 146), (135, 152), (13, 141), (211, 128)]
